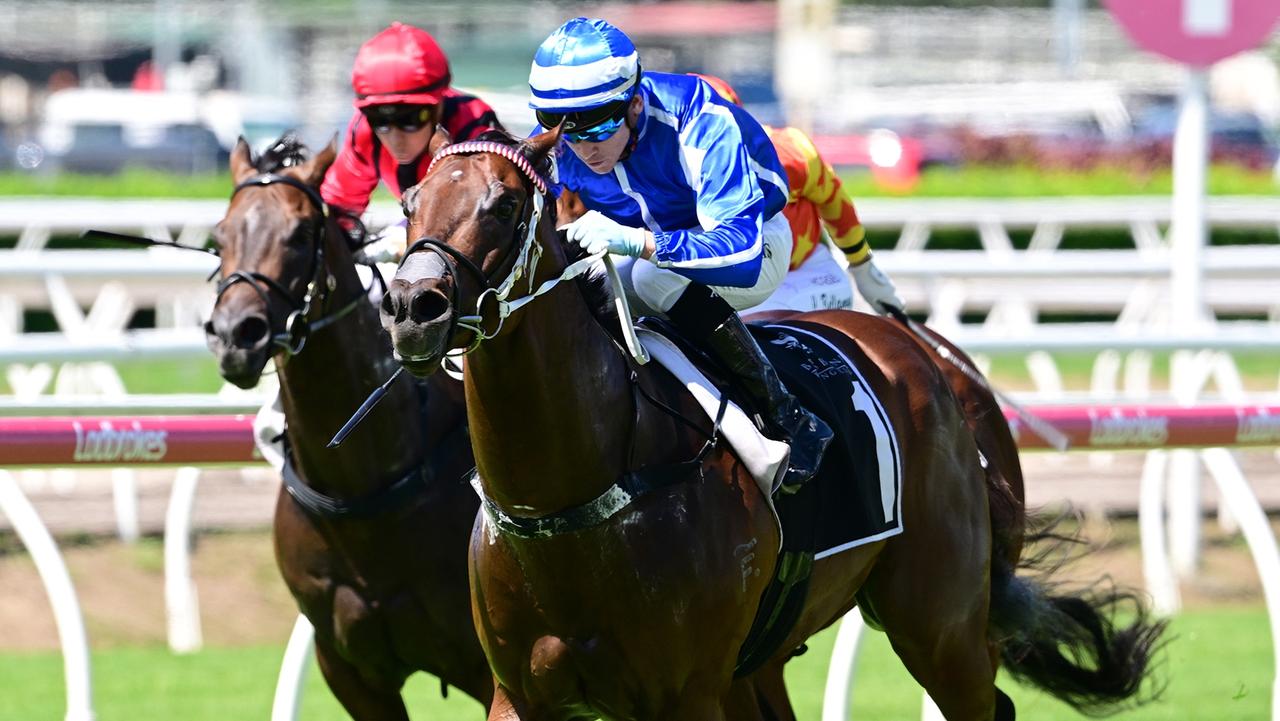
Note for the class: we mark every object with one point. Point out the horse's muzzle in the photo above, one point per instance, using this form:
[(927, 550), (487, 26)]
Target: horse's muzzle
[(241, 344), (419, 318)]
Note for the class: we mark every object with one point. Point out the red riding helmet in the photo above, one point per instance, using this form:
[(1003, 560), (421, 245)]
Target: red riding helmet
[(401, 65)]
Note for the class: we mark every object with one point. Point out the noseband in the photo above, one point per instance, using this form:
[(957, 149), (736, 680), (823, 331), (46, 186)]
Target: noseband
[(526, 250), (297, 327)]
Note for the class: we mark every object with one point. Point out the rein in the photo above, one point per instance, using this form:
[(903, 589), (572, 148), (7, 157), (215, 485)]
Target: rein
[(297, 326)]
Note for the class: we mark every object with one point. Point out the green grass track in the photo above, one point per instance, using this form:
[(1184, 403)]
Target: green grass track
[(1217, 668)]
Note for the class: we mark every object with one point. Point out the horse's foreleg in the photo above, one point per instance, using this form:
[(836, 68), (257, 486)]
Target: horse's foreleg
[(507, 706), (364, 700), (760, 697)]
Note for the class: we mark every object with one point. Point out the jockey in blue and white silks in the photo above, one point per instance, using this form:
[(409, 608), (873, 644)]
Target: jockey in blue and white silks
[(691, 187)]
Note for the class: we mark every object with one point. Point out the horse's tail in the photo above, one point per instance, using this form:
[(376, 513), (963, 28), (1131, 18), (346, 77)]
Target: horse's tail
[(1067, 643)]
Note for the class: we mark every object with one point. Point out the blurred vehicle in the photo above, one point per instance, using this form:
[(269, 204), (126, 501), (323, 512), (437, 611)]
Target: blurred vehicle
[(1239, 138), (104, 130)]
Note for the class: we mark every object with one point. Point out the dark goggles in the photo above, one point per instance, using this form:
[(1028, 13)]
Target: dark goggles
[(409, 118), (589, 126)]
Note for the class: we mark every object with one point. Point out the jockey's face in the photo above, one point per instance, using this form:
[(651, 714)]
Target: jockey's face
[(602, 156), (406, 146), (405, 130)]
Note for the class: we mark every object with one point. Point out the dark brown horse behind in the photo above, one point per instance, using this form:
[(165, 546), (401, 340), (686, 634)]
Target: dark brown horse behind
[(370, 537), (613, 578)]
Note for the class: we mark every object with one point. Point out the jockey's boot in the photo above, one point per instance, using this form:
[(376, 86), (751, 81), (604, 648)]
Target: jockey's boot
[(782, 416)]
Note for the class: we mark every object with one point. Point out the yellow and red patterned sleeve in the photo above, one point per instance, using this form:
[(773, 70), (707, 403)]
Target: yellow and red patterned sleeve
[(814, 180)]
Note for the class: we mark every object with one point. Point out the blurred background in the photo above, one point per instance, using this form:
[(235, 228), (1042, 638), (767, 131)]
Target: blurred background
[(895, 87), (1011, 160)]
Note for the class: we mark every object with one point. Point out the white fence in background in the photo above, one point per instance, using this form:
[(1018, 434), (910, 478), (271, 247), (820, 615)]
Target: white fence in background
[(70, 372)]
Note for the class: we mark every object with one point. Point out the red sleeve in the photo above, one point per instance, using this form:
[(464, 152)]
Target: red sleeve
[(466, 116), (353, 176)]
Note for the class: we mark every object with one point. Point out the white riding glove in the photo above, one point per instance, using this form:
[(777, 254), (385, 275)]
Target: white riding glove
[(597, 233), (387, 246), (875, 287)]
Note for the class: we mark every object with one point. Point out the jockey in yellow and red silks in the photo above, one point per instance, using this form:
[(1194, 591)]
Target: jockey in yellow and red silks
[(816, 201)]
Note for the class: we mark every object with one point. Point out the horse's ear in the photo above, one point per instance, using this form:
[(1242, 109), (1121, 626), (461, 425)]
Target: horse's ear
[(409, 200), (241, 161), (439, 139), (539, 147), (312, 171), (569, 207)]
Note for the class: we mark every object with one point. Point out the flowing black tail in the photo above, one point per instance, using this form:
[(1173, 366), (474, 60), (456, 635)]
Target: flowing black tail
[(1069, 644)]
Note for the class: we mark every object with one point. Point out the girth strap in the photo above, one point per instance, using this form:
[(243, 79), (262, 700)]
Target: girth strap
[(594, 512), (365, 507)]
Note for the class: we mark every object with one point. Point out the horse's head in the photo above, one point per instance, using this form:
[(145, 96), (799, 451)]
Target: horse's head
[(476, 217), (272, 242)]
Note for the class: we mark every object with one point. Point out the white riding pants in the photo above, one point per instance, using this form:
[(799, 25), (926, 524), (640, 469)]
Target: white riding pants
[(818, 284), (653, 290)]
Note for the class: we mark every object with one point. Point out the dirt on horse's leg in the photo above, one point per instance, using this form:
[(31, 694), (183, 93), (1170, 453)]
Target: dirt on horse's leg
[(361, 699)]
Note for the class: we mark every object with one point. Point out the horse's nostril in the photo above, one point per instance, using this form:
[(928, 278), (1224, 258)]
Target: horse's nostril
[(209, 329), (250, 332), (428, 305), (389, 306)]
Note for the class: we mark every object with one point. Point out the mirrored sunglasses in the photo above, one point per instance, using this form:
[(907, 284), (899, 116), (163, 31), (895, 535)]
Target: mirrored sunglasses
[(590, 126), (409, 118), (596, 133)]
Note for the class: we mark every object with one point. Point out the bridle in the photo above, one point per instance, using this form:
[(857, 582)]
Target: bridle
[(297, 325), (524, 248)]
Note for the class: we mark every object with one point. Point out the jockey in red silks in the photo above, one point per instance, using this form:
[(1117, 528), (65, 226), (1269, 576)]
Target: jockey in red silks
[(402, 81)]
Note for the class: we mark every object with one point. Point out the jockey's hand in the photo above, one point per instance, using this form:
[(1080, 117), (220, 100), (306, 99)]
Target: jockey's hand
[(597, 233), (387, 246), (875, 287)]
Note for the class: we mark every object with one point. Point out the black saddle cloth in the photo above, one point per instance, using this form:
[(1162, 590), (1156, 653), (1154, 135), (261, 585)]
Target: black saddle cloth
[(854, 499)]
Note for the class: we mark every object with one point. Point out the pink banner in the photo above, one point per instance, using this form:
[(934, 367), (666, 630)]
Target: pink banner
[(1138, 427), (123, 441), (203, 440)]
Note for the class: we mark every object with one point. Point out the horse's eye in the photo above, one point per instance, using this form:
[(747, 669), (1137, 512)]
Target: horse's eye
[(505, 209)]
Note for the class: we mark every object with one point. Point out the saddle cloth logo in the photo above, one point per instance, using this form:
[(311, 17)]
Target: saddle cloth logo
[(860, 482)]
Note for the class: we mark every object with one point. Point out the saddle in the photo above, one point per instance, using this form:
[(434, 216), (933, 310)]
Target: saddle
[(854, 499)]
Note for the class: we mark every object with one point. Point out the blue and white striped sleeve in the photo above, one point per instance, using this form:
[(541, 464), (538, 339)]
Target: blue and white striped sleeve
[(727, 250)]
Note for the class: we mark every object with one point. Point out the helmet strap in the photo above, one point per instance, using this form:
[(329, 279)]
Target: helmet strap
[(633, 136)]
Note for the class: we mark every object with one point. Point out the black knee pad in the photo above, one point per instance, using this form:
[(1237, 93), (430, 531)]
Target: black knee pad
[(699, 310)]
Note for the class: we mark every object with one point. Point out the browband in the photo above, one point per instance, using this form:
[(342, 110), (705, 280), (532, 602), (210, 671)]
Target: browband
[(488, 146)]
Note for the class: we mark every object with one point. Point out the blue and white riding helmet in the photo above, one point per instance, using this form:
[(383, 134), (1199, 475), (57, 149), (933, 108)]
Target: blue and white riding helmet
[(585, 65)]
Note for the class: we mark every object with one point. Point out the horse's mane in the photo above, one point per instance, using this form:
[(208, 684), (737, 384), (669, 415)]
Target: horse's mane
[(286, 152)]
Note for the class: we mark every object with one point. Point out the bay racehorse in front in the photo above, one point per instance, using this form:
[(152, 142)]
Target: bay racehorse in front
[(371, 536), (625, 559)]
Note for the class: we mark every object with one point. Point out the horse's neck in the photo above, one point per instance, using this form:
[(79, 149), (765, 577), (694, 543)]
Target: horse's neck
[(550, 407), (322, 386)]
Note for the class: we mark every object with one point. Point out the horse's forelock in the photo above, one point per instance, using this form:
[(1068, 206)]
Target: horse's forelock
[(286, 152)]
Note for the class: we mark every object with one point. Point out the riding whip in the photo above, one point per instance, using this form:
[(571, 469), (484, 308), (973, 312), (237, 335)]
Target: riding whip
[(1038, 425), (363, 410), (139, 240)]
